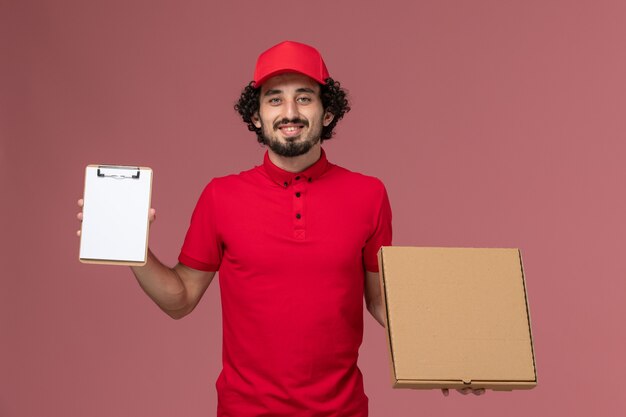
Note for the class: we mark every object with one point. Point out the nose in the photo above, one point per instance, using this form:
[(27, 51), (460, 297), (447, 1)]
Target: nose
[(291, 110)]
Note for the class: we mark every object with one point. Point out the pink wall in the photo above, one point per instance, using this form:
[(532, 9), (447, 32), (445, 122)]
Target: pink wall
[(492, 123)]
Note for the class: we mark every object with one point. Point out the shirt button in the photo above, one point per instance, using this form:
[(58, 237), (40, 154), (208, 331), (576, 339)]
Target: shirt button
[(310, 179), (298, 177), (285, 183), (298, 216), (298, 194)]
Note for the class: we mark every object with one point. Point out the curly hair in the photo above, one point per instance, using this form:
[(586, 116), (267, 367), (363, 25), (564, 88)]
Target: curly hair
[(334, 100)]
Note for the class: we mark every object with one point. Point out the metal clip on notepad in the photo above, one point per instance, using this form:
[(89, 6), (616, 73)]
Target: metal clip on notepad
[(118, 172)]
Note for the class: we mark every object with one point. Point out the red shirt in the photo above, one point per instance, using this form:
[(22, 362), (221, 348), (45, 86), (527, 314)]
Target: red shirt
[(291, 250)]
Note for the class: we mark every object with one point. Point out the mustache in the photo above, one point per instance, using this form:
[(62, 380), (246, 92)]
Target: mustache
[(292, 121)]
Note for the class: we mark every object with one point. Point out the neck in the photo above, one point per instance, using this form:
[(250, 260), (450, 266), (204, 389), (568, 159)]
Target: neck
[(296, 163)]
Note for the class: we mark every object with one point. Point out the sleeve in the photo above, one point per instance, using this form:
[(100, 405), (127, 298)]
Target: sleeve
[(382, 232), (203, 248)]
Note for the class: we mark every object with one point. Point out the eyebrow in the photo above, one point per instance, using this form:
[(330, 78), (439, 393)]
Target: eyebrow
[(299, 90)]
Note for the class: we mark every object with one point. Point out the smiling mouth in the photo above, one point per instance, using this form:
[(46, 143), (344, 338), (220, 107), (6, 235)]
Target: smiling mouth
[(291, 130)]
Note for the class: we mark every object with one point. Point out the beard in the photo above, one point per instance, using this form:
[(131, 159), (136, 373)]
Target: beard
[(294, 146)]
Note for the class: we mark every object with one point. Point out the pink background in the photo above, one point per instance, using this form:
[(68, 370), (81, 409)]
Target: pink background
[(492, 123)]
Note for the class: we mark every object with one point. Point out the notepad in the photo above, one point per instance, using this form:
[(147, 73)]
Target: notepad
[(115, 215)]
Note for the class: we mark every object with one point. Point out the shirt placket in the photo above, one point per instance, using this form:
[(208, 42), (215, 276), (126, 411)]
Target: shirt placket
[(299, 204)]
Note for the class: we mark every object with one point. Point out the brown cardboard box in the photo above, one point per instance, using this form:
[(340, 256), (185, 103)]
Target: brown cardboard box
[(457, 318)]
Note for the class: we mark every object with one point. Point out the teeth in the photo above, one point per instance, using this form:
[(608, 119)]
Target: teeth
[(290, 129)]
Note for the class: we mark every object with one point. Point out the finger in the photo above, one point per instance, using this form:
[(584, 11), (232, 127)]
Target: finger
[(479, 391), (80, 202), (464, 391), (78, 233), (445, 392), (79, 216), (152, 215)]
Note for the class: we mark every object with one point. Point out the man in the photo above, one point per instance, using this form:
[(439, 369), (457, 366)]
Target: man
[(292, 239), (295, 240)]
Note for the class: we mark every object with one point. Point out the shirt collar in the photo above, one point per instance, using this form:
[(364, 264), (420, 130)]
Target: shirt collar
[(284, 178)]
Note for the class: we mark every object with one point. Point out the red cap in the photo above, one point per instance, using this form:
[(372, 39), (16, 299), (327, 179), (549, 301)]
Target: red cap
[(290, 57)]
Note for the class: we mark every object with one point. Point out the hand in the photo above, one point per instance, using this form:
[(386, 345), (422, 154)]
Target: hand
[(79, 215), (464, 391)]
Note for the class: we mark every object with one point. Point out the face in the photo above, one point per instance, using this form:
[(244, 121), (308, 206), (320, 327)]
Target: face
[(290, 114)]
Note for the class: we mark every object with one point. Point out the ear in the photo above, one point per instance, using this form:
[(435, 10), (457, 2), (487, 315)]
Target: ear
[(256, 120), (328, 118)]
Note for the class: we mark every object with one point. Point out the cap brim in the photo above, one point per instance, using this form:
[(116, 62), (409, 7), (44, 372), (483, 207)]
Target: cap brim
[(260, 82)]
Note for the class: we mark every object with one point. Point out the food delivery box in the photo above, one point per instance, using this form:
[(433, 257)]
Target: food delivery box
[(457, 318)]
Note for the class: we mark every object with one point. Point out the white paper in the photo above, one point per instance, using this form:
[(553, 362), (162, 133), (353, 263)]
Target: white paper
[(115, 215)]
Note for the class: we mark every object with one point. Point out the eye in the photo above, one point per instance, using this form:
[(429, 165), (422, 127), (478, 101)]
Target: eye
[(274, 100), (304, 99)]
